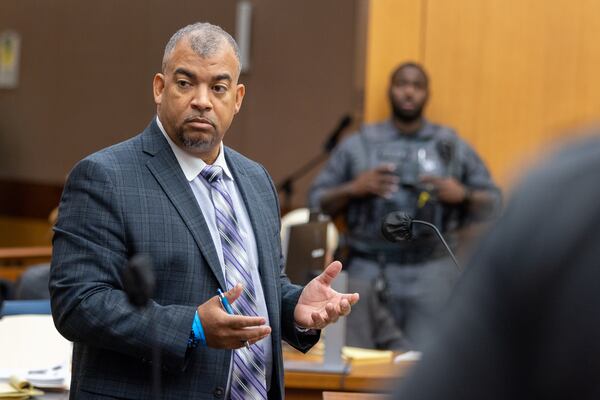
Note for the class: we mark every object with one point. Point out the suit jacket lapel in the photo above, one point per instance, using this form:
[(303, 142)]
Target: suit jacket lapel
[(166, 170)]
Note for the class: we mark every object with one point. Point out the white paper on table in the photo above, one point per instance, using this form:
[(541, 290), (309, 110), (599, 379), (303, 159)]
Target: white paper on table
[(32, 348), (408, 356)]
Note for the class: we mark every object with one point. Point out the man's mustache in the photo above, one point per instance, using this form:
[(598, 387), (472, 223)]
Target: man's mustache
[(199, 118)]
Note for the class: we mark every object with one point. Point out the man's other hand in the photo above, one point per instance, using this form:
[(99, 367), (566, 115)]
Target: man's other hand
[(319, 305)]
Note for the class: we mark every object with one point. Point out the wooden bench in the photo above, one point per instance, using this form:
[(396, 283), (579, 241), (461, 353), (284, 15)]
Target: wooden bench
[(14, 260)]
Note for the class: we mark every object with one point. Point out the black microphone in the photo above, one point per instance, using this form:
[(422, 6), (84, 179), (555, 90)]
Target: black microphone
[(397, 227), (335, 135), (139, 284), (138, 280)]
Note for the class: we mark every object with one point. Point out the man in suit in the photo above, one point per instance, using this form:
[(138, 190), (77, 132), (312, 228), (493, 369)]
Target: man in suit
[(209, 219)]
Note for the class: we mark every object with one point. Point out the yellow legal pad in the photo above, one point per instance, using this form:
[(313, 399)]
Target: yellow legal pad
[(17, 389), (355, 354)]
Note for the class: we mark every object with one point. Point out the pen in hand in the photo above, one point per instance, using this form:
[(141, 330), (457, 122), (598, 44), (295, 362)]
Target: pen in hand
[(225, 302), (228, 309)]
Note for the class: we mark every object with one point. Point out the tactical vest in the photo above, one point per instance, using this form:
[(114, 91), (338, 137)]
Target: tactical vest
[(434, 154)]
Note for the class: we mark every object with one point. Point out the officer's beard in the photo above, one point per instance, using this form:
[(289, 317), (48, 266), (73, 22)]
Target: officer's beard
[(407, 116)]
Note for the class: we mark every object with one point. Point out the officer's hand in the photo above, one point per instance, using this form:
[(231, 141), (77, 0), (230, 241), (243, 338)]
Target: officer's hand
[(224, 331), (447, 190), (379, 181)]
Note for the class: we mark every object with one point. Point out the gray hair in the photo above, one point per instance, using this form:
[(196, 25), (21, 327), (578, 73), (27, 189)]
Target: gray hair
[(205, 39)]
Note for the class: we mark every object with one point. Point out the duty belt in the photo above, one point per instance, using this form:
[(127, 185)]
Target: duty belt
[(409, 253)]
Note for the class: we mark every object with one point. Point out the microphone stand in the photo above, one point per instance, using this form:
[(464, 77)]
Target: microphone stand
[(397, 226), (432, 226), (287, 184), (139, 284)]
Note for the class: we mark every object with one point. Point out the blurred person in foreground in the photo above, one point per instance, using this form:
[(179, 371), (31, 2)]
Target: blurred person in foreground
[(208, 217), (523, 321), (405, 163)]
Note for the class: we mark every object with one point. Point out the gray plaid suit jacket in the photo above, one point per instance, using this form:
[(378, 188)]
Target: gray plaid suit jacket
[(133, 198)]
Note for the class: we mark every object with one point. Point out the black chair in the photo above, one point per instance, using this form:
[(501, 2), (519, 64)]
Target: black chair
[(33, 283)]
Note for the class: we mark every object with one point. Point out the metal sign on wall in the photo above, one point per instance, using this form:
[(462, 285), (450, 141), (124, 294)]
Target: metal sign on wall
[(10, 49)]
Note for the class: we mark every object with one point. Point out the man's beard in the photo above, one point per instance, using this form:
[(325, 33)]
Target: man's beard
[(406, 115), (195, 143)]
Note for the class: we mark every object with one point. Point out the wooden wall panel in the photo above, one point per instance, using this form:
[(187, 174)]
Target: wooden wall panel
[(87, 67), (510, 75), (393, 34)]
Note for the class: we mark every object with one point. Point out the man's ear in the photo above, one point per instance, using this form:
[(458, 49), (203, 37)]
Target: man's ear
[(158, 86), (240, 91)]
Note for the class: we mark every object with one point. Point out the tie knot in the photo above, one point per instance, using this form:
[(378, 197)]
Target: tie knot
[(212, 173)]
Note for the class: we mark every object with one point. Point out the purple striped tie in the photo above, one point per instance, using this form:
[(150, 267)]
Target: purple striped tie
[(248, 374)]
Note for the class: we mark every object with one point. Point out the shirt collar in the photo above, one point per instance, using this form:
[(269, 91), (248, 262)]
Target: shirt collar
[(425, 131), (190, 165)]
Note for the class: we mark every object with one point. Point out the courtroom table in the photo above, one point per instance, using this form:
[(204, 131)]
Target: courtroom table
[(368, 380), (53, 396), (355, 396), (363, 376)]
